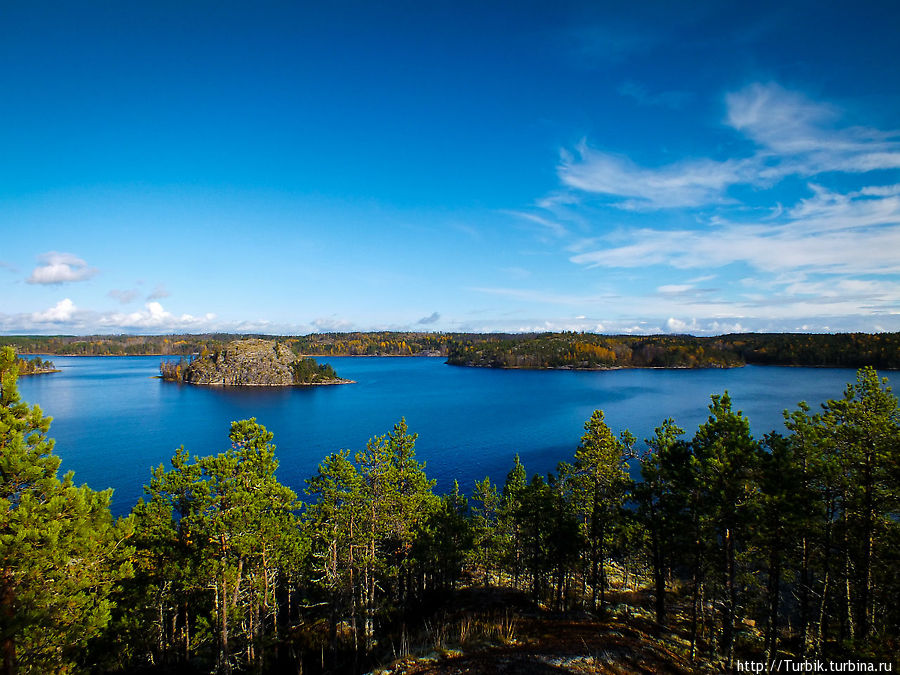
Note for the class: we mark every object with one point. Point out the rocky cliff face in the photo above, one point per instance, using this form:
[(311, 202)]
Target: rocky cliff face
[(252, 362)]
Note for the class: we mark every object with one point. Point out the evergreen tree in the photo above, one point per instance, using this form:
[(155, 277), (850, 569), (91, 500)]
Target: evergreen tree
[(814, 499), (486, 533), (599, 477), (369, 524), (662, 507), (335, 521), (61, 552), (860, 436), (237, 523), (445, 545), (510, 518), (726, 454), (784, 509)]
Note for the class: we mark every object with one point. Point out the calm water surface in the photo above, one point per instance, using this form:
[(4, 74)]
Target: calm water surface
[(113, 421)]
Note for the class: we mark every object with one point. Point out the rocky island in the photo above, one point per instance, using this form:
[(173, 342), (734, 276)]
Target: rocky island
[(250, 363)]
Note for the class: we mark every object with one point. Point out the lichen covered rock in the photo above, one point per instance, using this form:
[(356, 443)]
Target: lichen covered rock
[(251, 362)]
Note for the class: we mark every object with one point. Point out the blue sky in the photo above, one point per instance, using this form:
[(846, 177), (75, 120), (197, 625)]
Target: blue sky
[(290, 167)]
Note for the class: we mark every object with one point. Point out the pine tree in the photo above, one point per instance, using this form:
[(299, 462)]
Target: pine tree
[(600, 478), (368, 525), (726, 454), (784, 509), (486, 528), (814, 497), (61, 552), (237, 522), (446, 542), (510, 518), (860, 434), (662, 507), (335, 521)]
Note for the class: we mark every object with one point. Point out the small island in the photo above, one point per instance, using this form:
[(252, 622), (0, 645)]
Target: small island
[(35, 366), (250, 363)]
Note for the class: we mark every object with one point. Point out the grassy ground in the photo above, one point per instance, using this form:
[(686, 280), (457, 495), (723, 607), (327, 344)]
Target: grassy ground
[(498, 630)]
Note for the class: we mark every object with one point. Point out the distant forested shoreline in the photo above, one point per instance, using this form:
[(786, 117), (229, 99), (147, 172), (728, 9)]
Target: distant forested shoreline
[(567, 350)]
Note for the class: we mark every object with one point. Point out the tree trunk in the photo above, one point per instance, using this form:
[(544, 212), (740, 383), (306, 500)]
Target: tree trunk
[(601, 558), (847, 627), (774, 583), (7, 602), (697, 587), (728, 608), (820, 631), (223, 606), (804, 597), (865, 585), (659, 578)]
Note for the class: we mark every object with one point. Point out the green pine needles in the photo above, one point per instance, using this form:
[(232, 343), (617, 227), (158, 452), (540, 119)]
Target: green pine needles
[(61, 552)]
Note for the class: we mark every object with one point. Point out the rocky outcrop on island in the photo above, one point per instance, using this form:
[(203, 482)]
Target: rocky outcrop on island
[(251, 362)]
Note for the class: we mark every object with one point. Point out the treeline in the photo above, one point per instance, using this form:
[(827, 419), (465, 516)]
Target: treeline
[(783, 546), (115, 345), (840, 350), (545, 350), (586, 350), (373, 344), (384, 343)]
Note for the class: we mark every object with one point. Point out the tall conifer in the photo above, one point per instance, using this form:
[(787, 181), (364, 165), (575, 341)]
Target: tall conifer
[(61, 552)]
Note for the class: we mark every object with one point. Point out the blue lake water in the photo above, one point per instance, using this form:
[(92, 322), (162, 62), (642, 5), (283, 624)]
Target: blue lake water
[(113, 420)]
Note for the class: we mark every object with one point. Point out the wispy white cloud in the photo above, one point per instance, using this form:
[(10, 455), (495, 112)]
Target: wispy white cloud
[(792, 134), (825, 234), (825, 259), (804, 135), (675, 289), (691, 182), (829, 210), (549, 224), (59, 268), (881, 190)]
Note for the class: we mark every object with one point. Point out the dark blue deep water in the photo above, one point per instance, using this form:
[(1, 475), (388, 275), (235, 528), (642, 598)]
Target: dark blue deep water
[(113, 420)]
